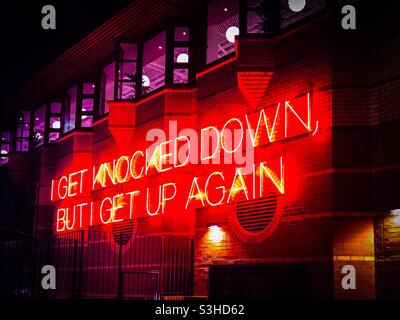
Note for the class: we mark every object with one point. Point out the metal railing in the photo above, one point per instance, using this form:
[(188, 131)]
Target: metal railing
[(92, 264)]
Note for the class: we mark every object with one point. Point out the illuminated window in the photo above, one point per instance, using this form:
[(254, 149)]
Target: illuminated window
[(153, 74), (223, 27), (39, 120), (80, 106), (86, 104), (87, 111), (5, 148), (107, 87), (127, 72), (70, 110), (181, 55), (55, 122), (23, 132)]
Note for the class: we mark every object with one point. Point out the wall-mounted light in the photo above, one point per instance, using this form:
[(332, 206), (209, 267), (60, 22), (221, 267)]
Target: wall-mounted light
[(396, 216), (215, 234)]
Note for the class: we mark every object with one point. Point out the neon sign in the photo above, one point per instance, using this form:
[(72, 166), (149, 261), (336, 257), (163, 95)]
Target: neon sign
[(209, 168)]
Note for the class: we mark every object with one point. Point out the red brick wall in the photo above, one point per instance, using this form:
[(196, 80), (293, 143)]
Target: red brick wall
[(353, 244), (350, 168)]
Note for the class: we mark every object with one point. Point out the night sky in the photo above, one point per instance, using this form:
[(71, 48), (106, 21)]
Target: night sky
[(26, 47)]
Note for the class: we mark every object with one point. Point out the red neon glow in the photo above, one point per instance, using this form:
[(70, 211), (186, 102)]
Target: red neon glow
[(263, 121), (305, 123), (153, 180)]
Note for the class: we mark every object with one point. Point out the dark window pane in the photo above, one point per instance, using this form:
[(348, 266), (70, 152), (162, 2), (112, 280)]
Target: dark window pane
[(126, 90), (25, 130), (181, 34), (22, 145), (53, 136), (181, 76), (154, 63), (26, 117), (87, 105), (19, 131), (295, 13), (129, 51), (107, 90), (256, 16), (223, 26), (6, 136), (39, 119), (70, 110), (56, 107), (86, 121), (88, 88), (127, 71)]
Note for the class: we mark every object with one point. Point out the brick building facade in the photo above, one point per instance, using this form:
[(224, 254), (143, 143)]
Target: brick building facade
[(340, 199)]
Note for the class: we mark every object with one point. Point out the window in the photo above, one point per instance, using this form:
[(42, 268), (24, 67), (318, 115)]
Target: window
[(55, 122), (39, 120), (87, 104), (263, 16), (223, 26), (107, 87), (153, 75), (269, 16), (181, 55), (70, 110), (290, 16), (127, 68), (5, 144), (80, 105), (23, 132)]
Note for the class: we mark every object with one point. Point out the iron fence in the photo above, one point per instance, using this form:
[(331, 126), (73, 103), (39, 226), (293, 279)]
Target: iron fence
[(93, 264)]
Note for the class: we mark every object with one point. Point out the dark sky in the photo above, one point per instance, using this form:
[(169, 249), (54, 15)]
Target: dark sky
[(26, 47)]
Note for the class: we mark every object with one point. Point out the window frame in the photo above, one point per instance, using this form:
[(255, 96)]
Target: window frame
[(21, 139), (49, 116), (170, 64), (8, 143), (243, 32), (33, 146), (190, 65), (118, 61), (102, 110), (80, 97)]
